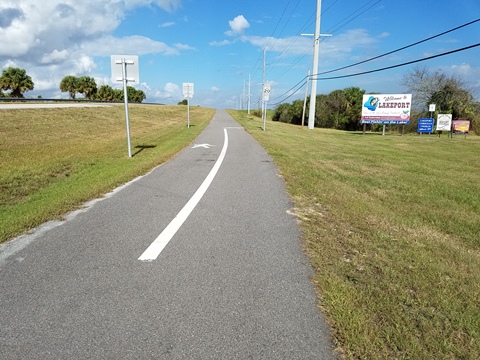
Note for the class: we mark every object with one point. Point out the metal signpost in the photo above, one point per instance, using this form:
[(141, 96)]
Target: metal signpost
[(121, 75), (188, 94), (266, 97)]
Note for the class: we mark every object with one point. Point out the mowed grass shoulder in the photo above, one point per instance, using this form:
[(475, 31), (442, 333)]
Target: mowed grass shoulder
[(53, 160), (392, 227)]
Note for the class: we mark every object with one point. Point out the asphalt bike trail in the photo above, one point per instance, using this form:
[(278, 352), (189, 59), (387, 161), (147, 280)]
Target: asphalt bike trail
[(199, 259)]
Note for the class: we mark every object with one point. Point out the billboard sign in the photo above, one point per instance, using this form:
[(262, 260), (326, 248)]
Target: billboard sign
[(444, 122), (461, 126), (386, 109), (425, 125)]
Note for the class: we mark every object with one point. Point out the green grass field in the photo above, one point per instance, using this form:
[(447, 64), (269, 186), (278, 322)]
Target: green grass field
[(53, 160), (391, 223), (392, 226)]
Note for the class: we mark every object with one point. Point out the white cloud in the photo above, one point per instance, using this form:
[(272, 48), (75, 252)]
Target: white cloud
[(288, 46), (167, 24), (170, 91), (140, 45), (167, 5), (84, 64), (184, 47), (334, 48), (145, 85), (221, 43), (55, 38), (237, 26), (214, 89), (10, 63), (55, 56)]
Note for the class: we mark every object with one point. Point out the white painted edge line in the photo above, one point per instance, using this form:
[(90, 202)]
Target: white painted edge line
[(167, 234)]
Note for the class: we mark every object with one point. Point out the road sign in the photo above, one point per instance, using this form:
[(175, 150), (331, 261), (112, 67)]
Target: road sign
[(125, 70), (266, 93), (188, 90), (444, 122), (118, 66), (425, 125)]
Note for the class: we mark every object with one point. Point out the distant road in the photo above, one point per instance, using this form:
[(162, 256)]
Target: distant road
[(230, 282)]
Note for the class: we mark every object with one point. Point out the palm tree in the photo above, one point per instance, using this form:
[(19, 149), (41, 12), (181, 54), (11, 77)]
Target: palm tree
[(87, 86), (16, 80), (69, 83), (106, 93)]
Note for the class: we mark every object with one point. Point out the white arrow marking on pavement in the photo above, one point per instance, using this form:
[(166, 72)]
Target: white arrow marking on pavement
[(167, 234), (206, 146)]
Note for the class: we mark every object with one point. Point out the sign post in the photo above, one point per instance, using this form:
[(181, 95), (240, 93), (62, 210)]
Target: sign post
[(266, 97), (188, 94), (120, 74)]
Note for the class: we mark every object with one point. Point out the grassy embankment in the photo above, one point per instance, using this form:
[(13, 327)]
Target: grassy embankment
[(53, 160), (392, 227)]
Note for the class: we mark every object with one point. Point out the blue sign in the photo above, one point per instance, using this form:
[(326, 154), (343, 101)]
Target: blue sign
[(386, 122), (425, 125)]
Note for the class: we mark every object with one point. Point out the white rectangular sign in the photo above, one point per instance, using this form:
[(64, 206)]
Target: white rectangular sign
[(444, 122), (188, 90), (266, 93), (386, 109), (132, 73)]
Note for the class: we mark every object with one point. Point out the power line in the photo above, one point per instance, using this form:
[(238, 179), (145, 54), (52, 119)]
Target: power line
[(289, 96), (335, 28), (400, 49), (339, 25), (402, 64), (306, 25), (293, 87)]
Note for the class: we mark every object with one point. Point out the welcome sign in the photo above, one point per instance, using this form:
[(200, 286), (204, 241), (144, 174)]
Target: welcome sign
[(386, 109), (461, 126)]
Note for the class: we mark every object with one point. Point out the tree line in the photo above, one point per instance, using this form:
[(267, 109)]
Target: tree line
[(18, 82), (342, 109)]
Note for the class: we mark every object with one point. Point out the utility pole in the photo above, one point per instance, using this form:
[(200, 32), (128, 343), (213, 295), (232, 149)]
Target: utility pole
[(313, 93), (264, 111), (305, 101), (248, 104), (243, 95)]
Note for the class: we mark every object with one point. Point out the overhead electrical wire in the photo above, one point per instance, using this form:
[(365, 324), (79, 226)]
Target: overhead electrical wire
[(399, 65), (397, 50), (292, 93), (303, 81), (335, 28), (339, 25), (391, 52), (306, 25)]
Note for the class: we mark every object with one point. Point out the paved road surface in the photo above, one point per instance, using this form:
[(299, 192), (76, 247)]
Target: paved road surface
[(232, 283)]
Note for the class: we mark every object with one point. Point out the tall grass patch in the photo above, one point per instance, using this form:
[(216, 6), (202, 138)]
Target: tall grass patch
[(53, 160), (392, 227)]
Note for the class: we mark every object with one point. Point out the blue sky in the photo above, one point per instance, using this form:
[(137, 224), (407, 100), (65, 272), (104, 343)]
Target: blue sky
[(218, 44)]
